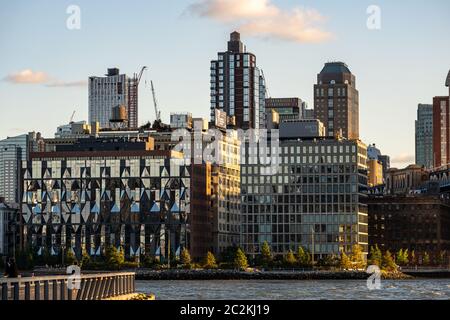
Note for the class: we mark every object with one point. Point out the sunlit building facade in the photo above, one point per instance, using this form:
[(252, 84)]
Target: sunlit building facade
[(313, 201)]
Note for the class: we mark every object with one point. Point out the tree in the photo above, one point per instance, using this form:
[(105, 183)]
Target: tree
[(375, 257), (413, 257), (240, 260), (185, 257), (290, 259), (388, 263), (114, 258), (303, 257), (402, 257), (426, 259), (344, 261), (441, 258), (210, 261), (266, 254), (357, 257), (85, 259), (70, 258)]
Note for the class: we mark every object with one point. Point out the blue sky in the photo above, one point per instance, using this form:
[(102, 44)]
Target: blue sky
[(402, 64)]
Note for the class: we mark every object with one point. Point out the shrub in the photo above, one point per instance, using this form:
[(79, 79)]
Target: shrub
[(388, 263), (240, 260), (130, 265), (266, 254), (185, 258), (210, 261), (289, 259)]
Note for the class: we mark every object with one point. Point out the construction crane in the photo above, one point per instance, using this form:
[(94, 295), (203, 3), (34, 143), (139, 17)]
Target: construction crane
[(71, 117), (155, 103), (139, 76)]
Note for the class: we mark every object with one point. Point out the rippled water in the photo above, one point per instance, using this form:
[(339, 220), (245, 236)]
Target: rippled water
[(291, 290)]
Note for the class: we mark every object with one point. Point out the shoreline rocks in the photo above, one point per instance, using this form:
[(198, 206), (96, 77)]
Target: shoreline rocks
[(259, 275)]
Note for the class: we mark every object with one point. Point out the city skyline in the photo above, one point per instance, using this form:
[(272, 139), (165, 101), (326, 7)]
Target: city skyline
[(57, 80)]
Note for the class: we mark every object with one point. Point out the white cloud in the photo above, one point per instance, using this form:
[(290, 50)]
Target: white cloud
[(402, 160), (261, 18), (28, 76)]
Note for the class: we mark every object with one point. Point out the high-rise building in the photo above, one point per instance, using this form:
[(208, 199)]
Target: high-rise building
[(441, 131), (224, 184), (441, 128), (8, 233), (373, 153), (424, 135), (113, 192), (12, 151), (287, 108), (313, 201), (374, 172), (113, 90), (336, 100), (238, 86)]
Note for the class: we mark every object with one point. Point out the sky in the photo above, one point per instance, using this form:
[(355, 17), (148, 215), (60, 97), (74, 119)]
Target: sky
[(46, 59)]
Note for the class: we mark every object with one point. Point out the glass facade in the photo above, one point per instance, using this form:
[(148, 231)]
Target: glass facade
[(315, 197)]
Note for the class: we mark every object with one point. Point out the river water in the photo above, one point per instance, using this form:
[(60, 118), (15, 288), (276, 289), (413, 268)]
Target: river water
[(292, 290)]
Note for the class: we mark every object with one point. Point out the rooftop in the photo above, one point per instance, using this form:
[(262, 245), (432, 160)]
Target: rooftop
[(335, 67)]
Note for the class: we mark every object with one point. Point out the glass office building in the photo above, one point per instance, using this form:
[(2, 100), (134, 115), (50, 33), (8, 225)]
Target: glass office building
[(313, 201)]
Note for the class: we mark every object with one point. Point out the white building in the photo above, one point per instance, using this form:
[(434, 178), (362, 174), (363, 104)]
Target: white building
[(110, 91)]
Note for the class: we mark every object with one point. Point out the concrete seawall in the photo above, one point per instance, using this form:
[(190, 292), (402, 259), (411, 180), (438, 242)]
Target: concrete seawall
[(258, 275)]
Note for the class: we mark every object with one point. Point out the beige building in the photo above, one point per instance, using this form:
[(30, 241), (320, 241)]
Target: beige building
[(374, 172), (403, 181)]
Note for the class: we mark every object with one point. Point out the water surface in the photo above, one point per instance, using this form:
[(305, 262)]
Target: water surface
[(294, 290)]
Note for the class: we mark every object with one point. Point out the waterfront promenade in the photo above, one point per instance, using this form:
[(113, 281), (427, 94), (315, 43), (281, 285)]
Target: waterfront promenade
[(96, 286)]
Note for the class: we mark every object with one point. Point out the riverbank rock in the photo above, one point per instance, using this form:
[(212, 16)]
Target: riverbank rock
[(256, 275)]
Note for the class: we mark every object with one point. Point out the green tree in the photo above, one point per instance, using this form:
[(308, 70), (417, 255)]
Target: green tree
[(240, 260), (357, 257), (114, 258), (426, 259), (402, 257), (375, 257), (70, 258), (303, 257), (441, 258), (266, 254), (210, 261), (344, 261), (85, 259), (185, 257), (290, 259), (412, 260), (388, 263)]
